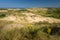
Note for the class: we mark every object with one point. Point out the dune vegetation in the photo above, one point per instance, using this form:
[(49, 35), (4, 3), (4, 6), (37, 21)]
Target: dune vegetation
[(30, 24)]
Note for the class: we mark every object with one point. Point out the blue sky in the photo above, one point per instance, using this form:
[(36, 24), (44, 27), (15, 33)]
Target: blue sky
[(29, 3)]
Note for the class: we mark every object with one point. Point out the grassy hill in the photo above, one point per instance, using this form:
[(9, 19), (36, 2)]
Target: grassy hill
[(30, 24)]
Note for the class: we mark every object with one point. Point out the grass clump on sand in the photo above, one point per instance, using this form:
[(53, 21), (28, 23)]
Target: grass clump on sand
[(30, 32), (20, 34), (50, 12), (53, 12)]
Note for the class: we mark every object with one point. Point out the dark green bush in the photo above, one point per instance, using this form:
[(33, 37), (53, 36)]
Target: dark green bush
[(2, 15)]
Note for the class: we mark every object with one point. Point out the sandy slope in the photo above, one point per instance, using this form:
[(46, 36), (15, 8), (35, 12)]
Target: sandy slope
[(29, 18), (36, 18)]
